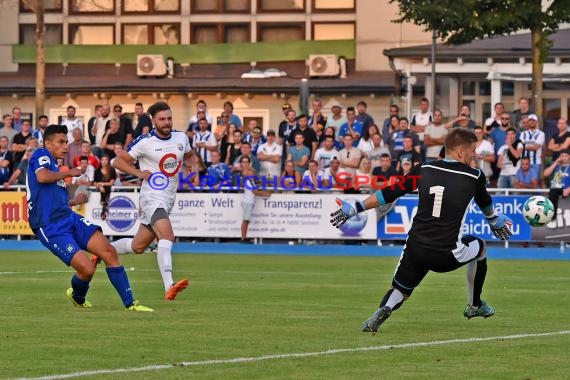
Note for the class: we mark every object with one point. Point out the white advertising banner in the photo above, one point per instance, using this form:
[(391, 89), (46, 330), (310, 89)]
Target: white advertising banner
[(287, 216)]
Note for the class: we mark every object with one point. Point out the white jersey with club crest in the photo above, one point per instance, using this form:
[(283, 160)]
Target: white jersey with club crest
[(163, 157)]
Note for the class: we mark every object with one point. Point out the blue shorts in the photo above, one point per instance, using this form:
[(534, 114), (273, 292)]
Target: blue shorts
[(67, 236)]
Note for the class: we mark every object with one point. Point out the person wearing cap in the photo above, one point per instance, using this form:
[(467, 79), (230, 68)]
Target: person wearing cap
[(561, 140), (533, 139), (559, 173), (336, 119), (269, 156)]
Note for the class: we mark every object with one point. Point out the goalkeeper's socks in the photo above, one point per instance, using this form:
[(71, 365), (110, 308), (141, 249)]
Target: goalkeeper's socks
[(123, 246), (479, 281), (393, 299), (120, 281), (80, 288), (164, 259)]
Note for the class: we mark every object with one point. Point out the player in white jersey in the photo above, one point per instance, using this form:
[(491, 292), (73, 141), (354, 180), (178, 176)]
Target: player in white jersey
[(160, 154)]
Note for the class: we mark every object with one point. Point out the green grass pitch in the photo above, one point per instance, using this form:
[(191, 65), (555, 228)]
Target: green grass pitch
[(253, 306)]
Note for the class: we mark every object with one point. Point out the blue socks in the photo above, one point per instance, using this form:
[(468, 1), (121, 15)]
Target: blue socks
[(80, 289), (120, 281)]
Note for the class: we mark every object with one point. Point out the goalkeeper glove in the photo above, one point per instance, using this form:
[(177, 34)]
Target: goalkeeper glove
[(345, 212), (500, 226)]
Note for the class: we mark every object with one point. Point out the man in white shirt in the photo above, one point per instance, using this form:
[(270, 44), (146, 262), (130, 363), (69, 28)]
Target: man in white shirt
[(99, 128), (201, 107), (269, 156), (72, 122), (204, 142), (434, 136), (421, 119), (326, 154)]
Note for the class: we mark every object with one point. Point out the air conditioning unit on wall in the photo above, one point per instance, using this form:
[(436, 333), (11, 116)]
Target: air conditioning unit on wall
[(151, 65), (323, 65)]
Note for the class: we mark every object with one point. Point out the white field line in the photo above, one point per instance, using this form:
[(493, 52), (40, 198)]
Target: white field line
[(295, 355)]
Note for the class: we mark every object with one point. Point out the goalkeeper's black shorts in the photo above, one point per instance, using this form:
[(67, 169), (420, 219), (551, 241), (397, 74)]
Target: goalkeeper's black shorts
[(417, 261)]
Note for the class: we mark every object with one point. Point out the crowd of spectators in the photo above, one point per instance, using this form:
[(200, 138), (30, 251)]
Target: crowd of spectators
[(306, 152)]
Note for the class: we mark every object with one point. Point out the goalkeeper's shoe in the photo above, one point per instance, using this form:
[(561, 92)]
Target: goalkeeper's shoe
[(86, 304), (376, 319), (176, 288), (484, 311), (136, 306), (95, 260)]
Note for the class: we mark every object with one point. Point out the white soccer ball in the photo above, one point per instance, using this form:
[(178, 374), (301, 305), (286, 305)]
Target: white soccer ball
[(538, 211)]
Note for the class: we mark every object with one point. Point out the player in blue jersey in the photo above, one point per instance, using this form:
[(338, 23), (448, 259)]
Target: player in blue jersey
[(65, 233)]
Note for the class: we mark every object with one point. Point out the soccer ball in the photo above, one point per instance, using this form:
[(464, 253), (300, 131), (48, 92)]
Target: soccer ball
[(538, 211)]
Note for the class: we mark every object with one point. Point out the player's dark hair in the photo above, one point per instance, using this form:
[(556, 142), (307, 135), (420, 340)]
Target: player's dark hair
[(459, 137), (54, 129), (157, 107)]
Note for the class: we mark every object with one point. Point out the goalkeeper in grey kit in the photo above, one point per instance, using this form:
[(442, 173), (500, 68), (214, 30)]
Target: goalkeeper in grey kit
[(434, 243)]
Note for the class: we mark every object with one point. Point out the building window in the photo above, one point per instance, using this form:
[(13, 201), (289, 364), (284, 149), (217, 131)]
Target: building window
[(274, 32), (49, 6), (333, 5), (281, 5), (507, 88), (91, 6), (333, 31), (153, 34), (151, 6), (219, 33), (53, 34), (91, 34), (220, 6)]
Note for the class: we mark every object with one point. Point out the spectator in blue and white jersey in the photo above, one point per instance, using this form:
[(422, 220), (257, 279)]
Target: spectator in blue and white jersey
[(204, 142), (533, 139), (254, 137), (353, 127), (217, 171), (39, 132)]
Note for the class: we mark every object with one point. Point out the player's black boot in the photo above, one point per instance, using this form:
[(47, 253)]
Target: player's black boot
[(376, 319)]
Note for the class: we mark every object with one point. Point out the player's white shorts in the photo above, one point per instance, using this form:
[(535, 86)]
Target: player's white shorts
[(148, 205), (247, 208)]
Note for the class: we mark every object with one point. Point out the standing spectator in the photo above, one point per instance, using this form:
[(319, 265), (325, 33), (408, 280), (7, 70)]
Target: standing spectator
[(389, 127), (142, 121), (517, 115), (349, 156), (312, 177), (113, 134), (234, 149), (408, 153), (330, 131), (7, 130), (269, 156), (86, 151), (352, 127), (250, 192), (434, 136), (285, 128), (222, 126), (533, 140), (527, 176), (309, 136), (560, 141), (362, 116), (232, 118), (421, 119), (496, 120), (317, 118), (378, 149), (299, 153), (463, 120), (255, 138), (204, 142), (74, 148), (217, 171), (71, 122), (245, 151), (227, 140), (366, 145), (201, 106), (559, 173), (497, 137), (484, 153), (39, 132), (326, 154), (125, 124), (337, 119), (100, 127), (509, 159), (6, 160), (19, 175), (104, 178), (91, 123), (17, 119), (383, 172), (20, 140), (85, 179)]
